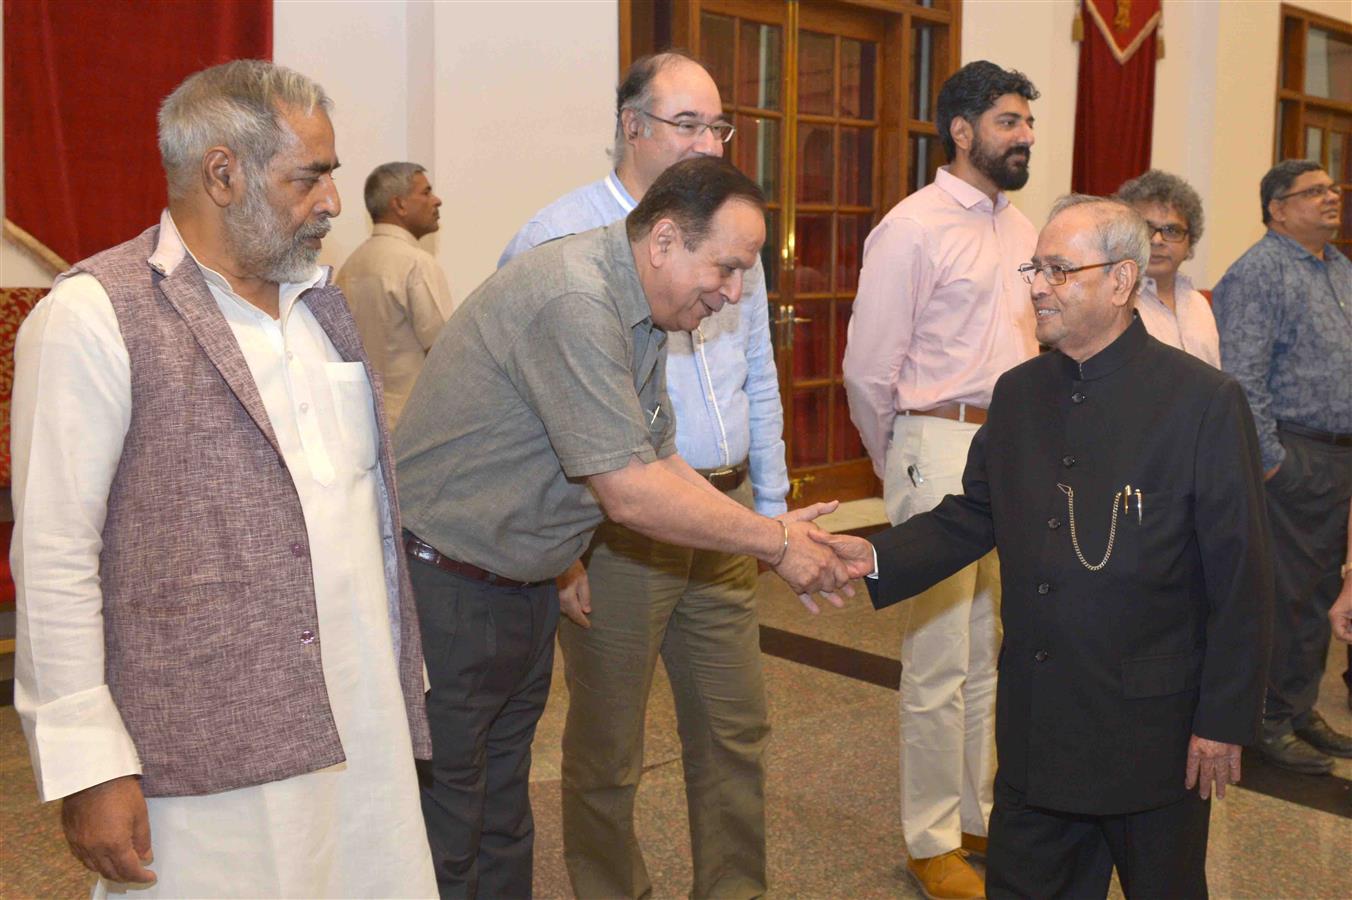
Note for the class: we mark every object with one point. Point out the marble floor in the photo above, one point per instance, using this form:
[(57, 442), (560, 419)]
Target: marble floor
[(831, 788)]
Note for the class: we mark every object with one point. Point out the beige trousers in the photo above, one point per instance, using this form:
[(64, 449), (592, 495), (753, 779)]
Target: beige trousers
[(696, 609), (950, 642)]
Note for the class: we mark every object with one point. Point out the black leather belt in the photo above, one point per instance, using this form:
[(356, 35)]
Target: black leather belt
[(1314, 434), (424, 552), (728, 478)]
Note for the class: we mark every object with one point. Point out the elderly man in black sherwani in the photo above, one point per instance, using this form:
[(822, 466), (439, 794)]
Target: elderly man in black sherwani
[(1120, 480)]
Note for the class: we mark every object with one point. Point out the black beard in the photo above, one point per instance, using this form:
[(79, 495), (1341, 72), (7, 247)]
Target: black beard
[(1008, 173)]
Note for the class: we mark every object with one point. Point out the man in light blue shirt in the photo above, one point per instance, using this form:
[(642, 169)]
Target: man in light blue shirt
[(639, 598)]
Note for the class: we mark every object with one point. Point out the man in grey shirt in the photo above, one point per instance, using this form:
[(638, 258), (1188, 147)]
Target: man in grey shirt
[(541, 410)]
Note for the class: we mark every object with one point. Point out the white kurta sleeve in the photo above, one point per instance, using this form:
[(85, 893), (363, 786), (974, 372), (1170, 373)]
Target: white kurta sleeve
[(70, 414)]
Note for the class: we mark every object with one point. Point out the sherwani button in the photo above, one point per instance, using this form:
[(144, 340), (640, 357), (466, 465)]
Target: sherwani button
[(1041, 655), (1053, 523), (1067, 460), (1077, 397), (1044, 588)]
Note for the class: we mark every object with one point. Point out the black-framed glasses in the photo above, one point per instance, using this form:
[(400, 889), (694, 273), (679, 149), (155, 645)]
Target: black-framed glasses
[(1319, 190), (694, 128), (1055, 273), (1171, 232)]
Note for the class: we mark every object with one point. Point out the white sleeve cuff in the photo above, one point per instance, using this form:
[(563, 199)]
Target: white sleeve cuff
[(78, 741)]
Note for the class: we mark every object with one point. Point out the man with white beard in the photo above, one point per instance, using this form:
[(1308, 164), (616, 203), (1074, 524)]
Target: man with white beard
[(218, 669)]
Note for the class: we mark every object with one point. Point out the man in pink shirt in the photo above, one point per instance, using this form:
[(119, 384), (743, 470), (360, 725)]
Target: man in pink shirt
[(940, 314)]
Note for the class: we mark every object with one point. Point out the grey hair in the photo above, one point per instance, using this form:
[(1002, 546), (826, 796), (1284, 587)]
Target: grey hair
[(1156, 186), (1279, 178), (237, 105), (393, 179), (635, 92), (1122, 233)]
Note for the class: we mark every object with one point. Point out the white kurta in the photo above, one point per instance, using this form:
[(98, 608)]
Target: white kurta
[(354, 829)]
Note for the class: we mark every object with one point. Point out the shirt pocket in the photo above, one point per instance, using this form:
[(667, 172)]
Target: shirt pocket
[(354, 407)]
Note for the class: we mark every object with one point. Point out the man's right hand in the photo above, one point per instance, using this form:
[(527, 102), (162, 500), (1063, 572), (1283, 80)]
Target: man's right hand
[(810, 565), (108, 830)]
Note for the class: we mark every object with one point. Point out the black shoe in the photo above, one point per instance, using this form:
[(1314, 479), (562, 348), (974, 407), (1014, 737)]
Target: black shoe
[(1321, 737), (1290, 752)]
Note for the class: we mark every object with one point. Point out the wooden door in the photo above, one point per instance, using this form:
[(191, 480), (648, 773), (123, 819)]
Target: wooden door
[(832, 103)]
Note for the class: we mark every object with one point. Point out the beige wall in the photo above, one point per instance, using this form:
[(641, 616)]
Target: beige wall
[(1214, 103)]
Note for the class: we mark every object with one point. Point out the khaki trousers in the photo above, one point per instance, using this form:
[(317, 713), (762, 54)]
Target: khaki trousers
[(950, 643), (696, 609)]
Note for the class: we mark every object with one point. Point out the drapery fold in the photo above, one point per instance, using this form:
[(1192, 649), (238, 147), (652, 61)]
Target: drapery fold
[(83, 81), (1115, 103)]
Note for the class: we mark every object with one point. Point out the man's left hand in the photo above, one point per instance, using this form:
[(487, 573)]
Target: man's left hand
[(1211, 763), (575, 594)]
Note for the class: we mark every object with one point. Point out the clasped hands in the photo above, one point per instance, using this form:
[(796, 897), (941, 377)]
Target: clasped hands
[(816, 561)]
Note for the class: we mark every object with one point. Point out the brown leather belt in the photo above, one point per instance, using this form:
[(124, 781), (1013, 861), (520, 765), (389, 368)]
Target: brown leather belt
[(728, 478), (425, 552), (958, 412)]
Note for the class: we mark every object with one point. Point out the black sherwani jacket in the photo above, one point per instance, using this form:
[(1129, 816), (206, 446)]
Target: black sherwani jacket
[(1105, 675)]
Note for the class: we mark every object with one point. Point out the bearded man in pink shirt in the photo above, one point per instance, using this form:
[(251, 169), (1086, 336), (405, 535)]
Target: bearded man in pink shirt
[(940, 314)]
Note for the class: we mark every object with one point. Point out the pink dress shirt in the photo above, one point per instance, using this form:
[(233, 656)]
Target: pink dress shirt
[(941, 311), (1190, 326)]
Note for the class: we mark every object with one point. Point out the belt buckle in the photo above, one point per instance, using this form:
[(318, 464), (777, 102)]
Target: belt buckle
[(719, 473)]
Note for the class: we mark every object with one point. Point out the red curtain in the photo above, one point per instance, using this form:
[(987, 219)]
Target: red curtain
[(83, 81), (1115, 105)]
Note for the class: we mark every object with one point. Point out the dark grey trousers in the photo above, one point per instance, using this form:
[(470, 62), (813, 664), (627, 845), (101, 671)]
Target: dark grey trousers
[(1307, 504), (490, 653), (1041, 853)]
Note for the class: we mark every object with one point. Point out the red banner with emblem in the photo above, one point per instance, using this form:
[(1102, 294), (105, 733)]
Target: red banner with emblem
[(83, 82), (1115, 104)]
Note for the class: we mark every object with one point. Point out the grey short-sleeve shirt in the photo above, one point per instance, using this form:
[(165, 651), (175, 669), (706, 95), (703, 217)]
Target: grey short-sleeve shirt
[(550, 372)]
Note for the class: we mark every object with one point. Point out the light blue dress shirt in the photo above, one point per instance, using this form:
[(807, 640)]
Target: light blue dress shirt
[(721, 377)]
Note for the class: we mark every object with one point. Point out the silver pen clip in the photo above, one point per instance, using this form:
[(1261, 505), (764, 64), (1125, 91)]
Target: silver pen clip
[(653, 421), (1138, 506)]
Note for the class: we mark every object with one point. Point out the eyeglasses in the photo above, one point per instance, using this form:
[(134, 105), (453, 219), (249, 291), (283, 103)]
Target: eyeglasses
[(1056, 273), (1171, 233), (694, 128), (1317, 191)]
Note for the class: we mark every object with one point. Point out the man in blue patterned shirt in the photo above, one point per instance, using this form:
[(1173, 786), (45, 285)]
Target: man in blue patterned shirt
[(1284, 311), (696, 608)]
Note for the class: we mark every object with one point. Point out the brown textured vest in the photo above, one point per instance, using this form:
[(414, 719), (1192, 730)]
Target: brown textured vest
[(210, 627)]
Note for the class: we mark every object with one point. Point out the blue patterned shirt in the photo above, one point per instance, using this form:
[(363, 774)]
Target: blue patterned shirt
[(721, 378), (1285, 320)]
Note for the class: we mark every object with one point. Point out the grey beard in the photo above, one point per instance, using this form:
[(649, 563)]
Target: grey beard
[(258, 240)]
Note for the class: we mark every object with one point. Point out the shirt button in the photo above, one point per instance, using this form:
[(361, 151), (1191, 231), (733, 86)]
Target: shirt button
[(297, 549), (1077, 397), (305, 407), (290, 356), (1067, 460), (1044, 588), (1053, 523), (1041, 655), (307, 636)]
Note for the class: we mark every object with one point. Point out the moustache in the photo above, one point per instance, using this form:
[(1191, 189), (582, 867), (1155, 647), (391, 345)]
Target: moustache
[(314, 229), (1025, 153)]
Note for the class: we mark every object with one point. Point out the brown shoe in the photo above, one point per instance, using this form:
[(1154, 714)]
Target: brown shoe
[(947, 877), (974, 844)]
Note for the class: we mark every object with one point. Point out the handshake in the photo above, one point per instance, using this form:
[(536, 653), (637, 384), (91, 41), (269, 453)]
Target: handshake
[(816, 561)]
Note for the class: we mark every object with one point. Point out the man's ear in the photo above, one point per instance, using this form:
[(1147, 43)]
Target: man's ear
[(662, 241), (1125, 276), (961, 131), (222, 178), (1276, 210), (630, 124)]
